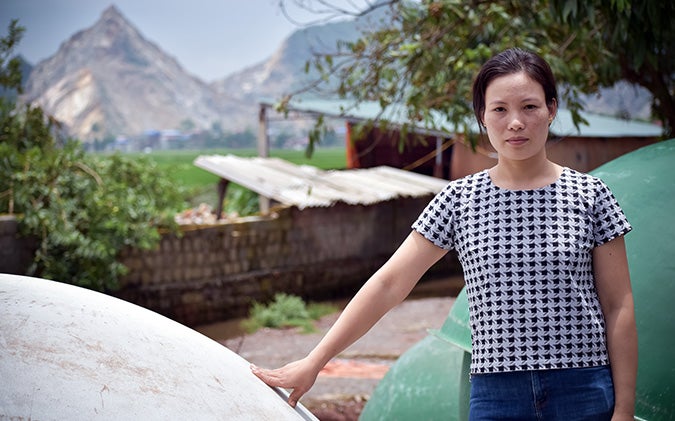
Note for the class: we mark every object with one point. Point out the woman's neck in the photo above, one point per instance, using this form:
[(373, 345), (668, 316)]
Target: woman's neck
[(524, 175)]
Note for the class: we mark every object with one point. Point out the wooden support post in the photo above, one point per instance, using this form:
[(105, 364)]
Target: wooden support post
[(222, 190), (263, 136), (352, 151), (263, 151), (438, 162)]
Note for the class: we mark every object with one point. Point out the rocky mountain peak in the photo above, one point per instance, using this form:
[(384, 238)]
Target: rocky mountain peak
[(112, 13), (114, 38), (108, 80)]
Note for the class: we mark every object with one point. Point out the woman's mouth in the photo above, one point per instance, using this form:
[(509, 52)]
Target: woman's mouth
[(516, 141)]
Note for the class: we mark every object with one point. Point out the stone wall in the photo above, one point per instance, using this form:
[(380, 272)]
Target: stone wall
[(213, 273)]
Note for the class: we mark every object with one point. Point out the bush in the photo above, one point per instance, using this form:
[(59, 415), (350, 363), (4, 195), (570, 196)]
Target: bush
[(241, 201), (83, 210), (286, 311)]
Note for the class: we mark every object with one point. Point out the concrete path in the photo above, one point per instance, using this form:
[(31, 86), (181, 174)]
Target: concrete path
[(351, 378)]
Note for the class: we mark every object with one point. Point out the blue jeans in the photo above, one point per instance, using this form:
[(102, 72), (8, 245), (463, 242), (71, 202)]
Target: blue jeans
[(566, 394)]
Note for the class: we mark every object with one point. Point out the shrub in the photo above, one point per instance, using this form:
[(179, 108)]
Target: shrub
[(286, 311), (83, 209), (240, 201)]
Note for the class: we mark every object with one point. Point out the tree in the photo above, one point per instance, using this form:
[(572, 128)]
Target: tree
[(82, 209), (640, 39), (187, 125), (10, 66), (428, 52)]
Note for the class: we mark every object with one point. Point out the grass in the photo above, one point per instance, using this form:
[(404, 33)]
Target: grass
[(201, 184), (179, 163), (286, 311)]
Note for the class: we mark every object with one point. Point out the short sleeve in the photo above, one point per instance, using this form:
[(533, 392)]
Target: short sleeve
[(609, 221), (435, 222)]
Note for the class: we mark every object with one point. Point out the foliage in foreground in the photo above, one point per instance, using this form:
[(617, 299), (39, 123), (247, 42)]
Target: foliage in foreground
[(286, 311), (81, 209)]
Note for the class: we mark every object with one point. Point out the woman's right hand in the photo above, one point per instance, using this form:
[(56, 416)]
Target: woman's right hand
[(385, 289), (299, 376)]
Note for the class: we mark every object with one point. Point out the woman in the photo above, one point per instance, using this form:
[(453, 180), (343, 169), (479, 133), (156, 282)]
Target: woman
[(550, 302)]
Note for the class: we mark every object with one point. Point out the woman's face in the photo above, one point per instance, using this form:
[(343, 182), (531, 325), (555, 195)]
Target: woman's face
[(516, 117)]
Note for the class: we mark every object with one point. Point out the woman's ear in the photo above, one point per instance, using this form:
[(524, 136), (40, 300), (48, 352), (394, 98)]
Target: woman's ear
[(552, 110)]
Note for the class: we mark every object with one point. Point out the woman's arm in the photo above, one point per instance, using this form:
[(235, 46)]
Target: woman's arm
[(612, 279), (385, 289)]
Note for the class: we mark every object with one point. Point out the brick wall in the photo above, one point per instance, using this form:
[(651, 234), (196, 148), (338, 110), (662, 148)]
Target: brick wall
[(214, 273)]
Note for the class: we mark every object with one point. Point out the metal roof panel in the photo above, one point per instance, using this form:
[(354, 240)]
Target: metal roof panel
[(307, 186)]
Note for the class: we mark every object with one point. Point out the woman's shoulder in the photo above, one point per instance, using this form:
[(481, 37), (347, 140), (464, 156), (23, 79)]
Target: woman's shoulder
[(475, 179), (582, 180), (460, 189)]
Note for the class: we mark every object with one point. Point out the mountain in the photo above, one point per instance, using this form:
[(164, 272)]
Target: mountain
[(110, 80), (284, 72), (623, 100)]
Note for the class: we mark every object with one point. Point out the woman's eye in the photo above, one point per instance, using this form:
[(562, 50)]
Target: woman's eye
[(499, 109), (530, 107)]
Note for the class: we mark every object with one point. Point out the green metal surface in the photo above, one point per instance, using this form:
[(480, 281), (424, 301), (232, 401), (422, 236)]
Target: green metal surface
[(431, 382), (456, 329), (644, 184)]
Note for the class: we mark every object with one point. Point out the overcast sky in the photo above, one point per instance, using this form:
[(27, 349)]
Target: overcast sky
[(210, 38)]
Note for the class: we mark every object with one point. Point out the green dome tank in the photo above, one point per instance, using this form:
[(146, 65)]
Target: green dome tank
[(431, 380)]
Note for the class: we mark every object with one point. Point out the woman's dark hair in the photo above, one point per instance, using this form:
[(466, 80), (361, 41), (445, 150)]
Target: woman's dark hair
[(507, 62)]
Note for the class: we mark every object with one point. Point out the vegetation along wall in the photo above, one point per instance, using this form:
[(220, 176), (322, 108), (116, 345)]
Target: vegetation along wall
[(16, 252), (213, 273)]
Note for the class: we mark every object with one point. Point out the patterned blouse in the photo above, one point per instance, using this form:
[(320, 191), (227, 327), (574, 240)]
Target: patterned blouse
[(527, 260)]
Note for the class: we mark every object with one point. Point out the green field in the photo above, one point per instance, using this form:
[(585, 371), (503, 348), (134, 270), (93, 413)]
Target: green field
[(179, 163), (201, 184)]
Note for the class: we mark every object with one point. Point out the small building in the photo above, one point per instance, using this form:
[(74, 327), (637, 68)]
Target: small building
[(446, 153)]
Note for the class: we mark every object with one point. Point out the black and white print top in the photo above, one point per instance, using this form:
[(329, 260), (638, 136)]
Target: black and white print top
[(527, 260)]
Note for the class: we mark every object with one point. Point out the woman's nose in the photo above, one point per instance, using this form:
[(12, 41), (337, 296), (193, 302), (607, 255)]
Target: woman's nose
[(515, 123)]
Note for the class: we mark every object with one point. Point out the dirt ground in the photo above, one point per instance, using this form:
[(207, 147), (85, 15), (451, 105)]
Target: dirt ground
[(347, 382)]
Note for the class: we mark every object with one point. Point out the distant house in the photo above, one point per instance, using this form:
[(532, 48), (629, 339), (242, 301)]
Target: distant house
[(446, 154)]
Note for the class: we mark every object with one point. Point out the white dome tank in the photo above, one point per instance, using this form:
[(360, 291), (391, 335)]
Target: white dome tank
[(68, 353)]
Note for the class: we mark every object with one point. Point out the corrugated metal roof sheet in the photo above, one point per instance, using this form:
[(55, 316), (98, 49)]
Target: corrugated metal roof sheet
[(306, 186), (563, 125)]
